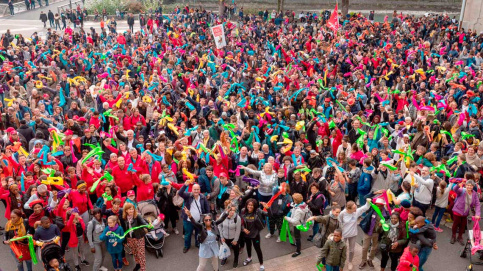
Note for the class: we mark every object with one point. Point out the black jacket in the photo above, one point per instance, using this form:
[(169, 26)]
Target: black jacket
[(138, 221), (188, 199), (214, 227), (130, 20), (27, 132)]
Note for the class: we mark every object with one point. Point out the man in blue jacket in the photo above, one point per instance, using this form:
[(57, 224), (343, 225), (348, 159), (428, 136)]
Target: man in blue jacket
[(198, 206), (365, 181)]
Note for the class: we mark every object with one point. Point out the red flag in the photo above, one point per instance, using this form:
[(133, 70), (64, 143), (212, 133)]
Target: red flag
[(333, 22)]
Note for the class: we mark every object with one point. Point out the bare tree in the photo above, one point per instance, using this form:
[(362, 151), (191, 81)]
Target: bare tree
[(280, 5), (345, 7)]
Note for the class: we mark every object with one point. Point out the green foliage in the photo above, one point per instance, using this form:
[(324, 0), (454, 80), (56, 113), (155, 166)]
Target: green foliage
[(132, 6), (109, 5)]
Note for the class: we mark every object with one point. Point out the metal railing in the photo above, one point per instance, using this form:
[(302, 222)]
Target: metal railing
[(18, 7)]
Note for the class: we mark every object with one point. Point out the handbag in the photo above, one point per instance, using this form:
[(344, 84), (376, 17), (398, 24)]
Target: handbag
[(317, 240), (319, 237), (178, 200), (224, 251)]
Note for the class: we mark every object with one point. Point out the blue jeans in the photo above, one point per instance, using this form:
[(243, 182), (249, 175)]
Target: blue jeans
[(20, 263), (437, 215), (316, 228), (188, 230), (423, 255), (331, 268), (117, 260)]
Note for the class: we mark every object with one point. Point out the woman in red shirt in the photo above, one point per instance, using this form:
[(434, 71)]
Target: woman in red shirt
[(80, 200), (145, 187)]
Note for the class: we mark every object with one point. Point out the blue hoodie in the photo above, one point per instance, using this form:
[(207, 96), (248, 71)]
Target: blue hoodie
[(365, 181), (111, 239)]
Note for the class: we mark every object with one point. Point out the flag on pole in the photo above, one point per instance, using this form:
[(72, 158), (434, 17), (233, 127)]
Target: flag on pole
[(333, 22)]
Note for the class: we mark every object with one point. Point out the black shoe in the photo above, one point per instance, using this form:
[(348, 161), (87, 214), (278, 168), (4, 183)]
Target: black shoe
[(309, 239), (198, 245), (369, 262), (77, 268), (460, 240), (84, 262), (185, 249), (137, 267), (453, 240), (296, 254), (235, 265), (223, 262)]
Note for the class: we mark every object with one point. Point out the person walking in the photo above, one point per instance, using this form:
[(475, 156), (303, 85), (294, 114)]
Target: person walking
[(130, 22), (27, 4), (57, 21), (50, 16), (10, 6), (43, 18)]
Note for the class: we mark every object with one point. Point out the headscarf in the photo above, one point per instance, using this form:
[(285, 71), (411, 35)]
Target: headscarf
[(17, 227), (36, 217)]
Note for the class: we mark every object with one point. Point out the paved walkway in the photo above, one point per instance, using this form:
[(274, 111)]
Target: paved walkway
[(305, 262)]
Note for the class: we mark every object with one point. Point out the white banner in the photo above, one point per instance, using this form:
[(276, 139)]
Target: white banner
[(219, 36)]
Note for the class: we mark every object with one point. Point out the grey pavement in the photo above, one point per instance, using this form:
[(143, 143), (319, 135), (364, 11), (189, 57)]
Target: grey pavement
[(445, 258)]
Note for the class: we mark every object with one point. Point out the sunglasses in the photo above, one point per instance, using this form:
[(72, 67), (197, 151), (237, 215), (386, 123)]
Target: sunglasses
[(206, 220)]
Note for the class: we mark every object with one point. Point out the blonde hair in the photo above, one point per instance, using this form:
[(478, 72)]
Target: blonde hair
[(297, 198), (113, 218)]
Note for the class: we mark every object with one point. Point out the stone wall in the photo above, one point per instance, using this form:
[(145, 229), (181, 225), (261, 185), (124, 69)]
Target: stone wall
[(473, 16), (417, 5)]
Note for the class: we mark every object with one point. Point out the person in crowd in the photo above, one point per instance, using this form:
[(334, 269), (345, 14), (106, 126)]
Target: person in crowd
[(95, 228), (253, 219), (334, 251), (466, 199), (393, 242), (230, 230), (135, 238), (383, 110), (197, 204), (348, 223), (114, 245), (209, 236), (14, 228)]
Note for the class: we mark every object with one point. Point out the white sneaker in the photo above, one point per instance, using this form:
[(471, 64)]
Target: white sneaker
[(103, 268), (167, 234), (268, 236), (176, 231), (350, 266), (278, 240)]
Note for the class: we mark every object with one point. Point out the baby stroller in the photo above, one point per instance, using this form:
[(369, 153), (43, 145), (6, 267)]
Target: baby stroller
[(473, 246), (155, 237), (53, 251)]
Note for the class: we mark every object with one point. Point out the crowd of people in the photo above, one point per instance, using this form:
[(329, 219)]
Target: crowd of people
[(337, 123)]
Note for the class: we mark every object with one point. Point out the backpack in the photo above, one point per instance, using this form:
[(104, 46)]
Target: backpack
[(306, 216), (326, 202)]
